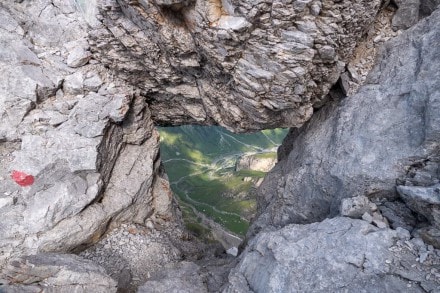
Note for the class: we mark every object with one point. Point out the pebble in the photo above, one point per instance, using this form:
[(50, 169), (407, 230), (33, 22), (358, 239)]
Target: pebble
[(139, 254), (367, 217), (423, 257)]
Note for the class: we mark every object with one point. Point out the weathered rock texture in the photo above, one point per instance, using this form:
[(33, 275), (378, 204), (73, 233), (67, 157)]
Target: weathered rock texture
[(184, 277), (78, 151), (336, 255), (51, 272), (361, 145), (246, 65)]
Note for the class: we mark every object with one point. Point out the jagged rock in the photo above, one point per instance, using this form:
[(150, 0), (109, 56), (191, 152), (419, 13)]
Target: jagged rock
[(398, 215), (245, 65), (50, 272), (78, 53), (373, 137), (338, 254), (357, 206), (89, 148), (182, 277), (82, 141), (407, 14), (74, 84), (423, 200)]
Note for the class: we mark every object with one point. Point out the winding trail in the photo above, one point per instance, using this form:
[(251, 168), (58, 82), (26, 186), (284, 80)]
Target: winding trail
[(239, 141), (217, 164)]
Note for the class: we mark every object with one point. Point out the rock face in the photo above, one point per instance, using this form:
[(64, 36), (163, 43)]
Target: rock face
[(79, 155), (51, 272), (335, 255), (184, 277), (78, 150), (77, 147), (361, 145), (246, 65)]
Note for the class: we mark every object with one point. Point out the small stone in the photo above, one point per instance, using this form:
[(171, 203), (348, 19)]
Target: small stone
[(367, 217), (93, 83), (423, 257), (73, 84), (232, 251), (380, 224), (403, 233), (355, 207), (149, 224), (78, 53)]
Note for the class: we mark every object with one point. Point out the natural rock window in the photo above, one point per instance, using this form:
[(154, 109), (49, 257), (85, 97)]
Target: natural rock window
[(214, 174)]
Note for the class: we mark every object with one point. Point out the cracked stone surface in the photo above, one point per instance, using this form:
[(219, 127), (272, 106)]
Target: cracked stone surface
[(84, 82), (83, 140), (50, 272), (375, 137), (246, 65), (338, 254)]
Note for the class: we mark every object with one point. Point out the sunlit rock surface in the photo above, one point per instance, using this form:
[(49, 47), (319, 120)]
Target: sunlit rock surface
[(83, 82)]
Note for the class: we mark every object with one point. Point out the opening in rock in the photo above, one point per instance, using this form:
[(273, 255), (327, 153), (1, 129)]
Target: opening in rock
[(214, 174)]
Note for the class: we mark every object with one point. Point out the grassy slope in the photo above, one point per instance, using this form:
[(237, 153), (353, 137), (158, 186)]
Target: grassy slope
[(210, 182)]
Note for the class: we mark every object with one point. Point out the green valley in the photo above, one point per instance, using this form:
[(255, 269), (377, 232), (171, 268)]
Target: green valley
[(201, 164)]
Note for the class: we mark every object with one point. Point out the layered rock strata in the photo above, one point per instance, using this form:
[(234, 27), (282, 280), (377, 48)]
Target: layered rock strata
[(245, 65)]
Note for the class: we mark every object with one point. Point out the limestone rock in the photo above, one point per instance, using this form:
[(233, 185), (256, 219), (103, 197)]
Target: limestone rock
[(83, 140), (51, 272), (183, 277), (338, 254), (250, 65), (398, 215), (423, 200), (78, 53), (379, 135), (407, 14), (356, 207)]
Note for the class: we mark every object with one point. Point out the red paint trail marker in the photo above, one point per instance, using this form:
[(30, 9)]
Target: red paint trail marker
[(22, 178)]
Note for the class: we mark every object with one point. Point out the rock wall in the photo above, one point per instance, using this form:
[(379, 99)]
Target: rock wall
[(80, 93), (77, 146), (382, 144), (246, 65), (363, 144)]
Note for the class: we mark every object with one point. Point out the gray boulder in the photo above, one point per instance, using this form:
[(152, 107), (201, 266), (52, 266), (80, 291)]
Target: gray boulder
[(407, 14), (423, 200), (51, 272), (336, 255)]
